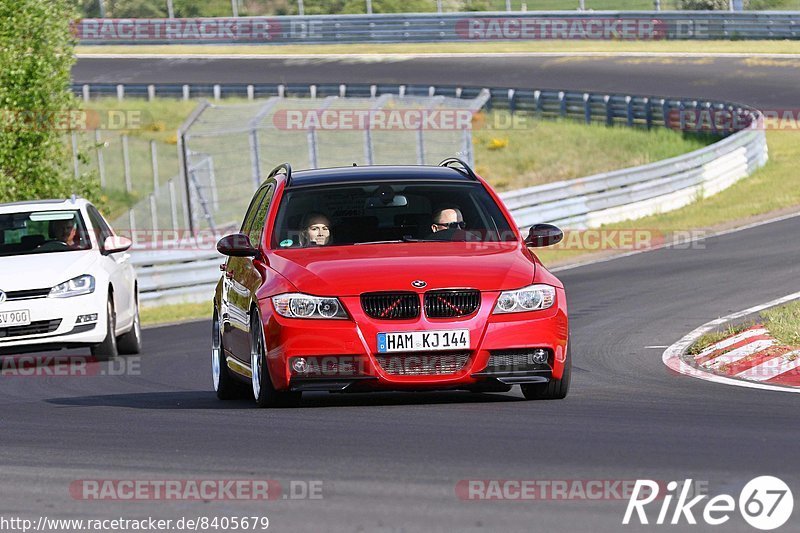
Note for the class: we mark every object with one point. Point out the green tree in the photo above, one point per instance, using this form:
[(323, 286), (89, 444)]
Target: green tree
[(36, 54), (718, 5)]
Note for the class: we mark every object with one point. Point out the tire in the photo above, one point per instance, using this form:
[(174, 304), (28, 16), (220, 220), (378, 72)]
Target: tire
[(108, 348), (130, 343), (225, 385), (555, 389), (264, 392)]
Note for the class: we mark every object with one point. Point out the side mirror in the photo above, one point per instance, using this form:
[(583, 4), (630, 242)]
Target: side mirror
[(236, 245), (544, 235), (115, 243)]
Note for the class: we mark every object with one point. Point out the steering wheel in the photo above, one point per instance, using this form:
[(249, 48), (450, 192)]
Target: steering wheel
[(52, 246)]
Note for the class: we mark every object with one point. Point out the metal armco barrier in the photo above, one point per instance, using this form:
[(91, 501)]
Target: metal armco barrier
[(397, 28), (174, 276)]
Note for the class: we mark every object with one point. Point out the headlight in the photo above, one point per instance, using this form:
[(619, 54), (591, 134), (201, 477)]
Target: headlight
[(533, 298), (297, 305), (74, 287)]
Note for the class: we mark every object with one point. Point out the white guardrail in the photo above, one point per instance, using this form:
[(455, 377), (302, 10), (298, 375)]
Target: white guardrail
[(174, 276)]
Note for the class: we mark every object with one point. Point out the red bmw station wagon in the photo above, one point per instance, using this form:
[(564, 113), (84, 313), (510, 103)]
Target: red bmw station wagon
[(385, 278)]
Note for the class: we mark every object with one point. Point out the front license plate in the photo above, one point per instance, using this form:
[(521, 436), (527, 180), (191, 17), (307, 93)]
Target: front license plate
[(15, 318), (423, 341)]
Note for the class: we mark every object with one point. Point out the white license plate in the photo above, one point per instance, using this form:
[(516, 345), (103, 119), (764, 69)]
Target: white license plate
[(423, 341), (15, 318)]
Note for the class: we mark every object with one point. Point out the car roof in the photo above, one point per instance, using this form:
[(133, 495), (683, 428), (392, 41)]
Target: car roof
[(376, 173), (53, 204)]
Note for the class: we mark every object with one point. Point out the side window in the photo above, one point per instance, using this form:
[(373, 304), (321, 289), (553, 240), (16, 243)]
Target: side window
[(101, 229), (260, 217)]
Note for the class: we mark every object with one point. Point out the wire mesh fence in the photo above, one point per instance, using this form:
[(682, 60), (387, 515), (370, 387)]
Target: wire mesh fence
[(231, 148)]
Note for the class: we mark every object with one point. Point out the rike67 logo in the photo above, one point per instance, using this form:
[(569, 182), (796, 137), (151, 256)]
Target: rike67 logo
[(765, 503)]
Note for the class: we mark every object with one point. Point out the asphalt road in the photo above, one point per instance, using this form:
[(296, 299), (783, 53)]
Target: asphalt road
[(392, 461), (757, 81)]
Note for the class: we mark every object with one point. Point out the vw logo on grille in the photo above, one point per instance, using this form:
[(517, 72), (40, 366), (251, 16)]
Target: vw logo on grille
[(2, 297), (419, 284)]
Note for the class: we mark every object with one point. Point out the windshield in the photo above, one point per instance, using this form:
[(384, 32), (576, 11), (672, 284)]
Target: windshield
[(352, 214), (41, 232)]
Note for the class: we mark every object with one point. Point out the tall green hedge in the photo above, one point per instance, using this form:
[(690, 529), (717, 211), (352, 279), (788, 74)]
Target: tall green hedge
[(36, 53)]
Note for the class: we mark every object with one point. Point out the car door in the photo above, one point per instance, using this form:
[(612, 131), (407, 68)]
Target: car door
[(242, 279), (119, 268)]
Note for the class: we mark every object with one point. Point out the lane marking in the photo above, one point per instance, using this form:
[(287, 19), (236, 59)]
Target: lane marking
[(672, 355)]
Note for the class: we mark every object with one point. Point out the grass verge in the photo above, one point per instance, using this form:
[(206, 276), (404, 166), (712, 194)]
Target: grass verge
[(708, 47), (168, 314)]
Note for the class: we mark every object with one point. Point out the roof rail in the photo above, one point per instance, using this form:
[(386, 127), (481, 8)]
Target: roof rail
[(454, 162), (287, 168)]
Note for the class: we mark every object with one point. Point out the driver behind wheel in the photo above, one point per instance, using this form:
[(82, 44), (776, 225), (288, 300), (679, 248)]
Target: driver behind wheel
[(65, 231)]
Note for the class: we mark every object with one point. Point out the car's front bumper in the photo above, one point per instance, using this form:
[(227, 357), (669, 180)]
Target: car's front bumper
[(54, 323), (345, 351)]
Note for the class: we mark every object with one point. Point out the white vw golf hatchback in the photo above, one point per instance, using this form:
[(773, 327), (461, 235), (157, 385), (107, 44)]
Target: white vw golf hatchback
[(65, 280)]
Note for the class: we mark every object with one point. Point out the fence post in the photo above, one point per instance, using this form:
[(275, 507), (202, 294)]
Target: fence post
[(173, 206), (170, 10), (154, 217), (312, 146), (301, 10), (101, 165), (234, 8), (212, 180), (255, 159), (154, 164), (132, 220), (75, 170), (126, 161)]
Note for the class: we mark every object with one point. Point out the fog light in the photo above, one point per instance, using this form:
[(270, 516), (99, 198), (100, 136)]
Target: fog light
[(539, 357), (299, 365), (83, 319)]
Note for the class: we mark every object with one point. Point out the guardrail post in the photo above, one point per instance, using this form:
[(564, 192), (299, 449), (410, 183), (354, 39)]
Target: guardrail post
[(682, 117), (154, 164), (126, 160), (373, 91), (101, 165), (665, 107), (185, 92), (609, 110), (512, 105), (537, 103), (151, 92), (85, 90), (459, 90), (281, 90), (431, 91), (587, 109), (562, 104), (250, 92), (629, 110), (120, 92), (312, 90), (648, 113), (217, 92), (401, 91), (342, 90)]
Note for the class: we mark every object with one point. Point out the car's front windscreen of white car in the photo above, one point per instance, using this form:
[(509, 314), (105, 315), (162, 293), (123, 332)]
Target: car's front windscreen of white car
[(35, 232)]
